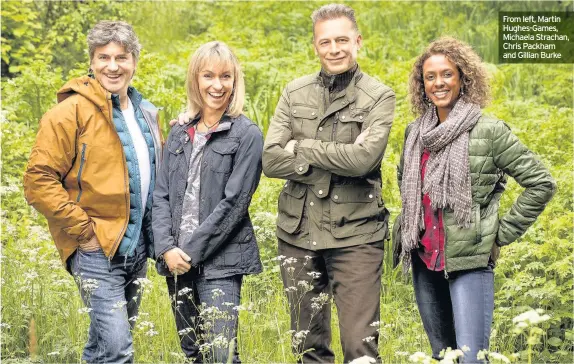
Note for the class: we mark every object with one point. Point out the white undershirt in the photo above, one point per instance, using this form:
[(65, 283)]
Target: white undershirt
[(141, 149)]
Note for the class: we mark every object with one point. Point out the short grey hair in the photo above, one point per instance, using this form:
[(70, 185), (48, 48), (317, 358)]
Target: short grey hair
[(334, 11), (107, 31)]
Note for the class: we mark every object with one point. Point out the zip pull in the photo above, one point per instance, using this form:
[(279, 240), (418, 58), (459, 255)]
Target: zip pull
[(445, 274), (334, 132)]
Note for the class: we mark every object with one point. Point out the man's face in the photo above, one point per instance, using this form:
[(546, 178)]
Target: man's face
[(113, 67), (336, 43)]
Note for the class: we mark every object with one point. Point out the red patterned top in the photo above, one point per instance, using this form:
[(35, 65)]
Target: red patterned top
[(432, 241)]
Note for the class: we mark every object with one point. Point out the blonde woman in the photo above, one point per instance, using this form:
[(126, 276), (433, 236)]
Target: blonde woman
[(203, 236)]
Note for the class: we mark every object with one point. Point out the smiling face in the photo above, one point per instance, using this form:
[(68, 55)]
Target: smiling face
[(215, 83), (442, 83), (113, 67), (336, 44)]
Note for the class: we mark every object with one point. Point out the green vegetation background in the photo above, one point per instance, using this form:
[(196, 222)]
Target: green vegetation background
[(44, 44)]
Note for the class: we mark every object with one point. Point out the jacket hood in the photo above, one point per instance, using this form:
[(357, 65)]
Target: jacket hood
[(89, 88)]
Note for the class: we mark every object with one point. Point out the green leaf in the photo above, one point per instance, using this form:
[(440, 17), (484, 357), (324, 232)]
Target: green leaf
[(554, 341)]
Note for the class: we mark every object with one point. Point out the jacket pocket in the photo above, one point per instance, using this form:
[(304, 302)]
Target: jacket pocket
[(304, 121), (223, 152), (350, 125), (291, 204), (355, 211), (80, 170)]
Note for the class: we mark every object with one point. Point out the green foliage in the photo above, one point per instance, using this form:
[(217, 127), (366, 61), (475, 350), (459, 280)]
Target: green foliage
[(52, 32), (43, 44)]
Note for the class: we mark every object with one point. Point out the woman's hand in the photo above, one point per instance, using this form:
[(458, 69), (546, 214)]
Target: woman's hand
[(177, 261), (182, 119)]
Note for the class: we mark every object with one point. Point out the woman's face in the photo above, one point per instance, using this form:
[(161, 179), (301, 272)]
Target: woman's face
[(215, 86), (113, 67), (442, 83)]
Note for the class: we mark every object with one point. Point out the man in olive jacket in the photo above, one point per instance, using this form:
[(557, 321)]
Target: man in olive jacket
[(327, 139)]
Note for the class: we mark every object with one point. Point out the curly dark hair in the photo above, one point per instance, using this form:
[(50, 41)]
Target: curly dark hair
[(473, 74)]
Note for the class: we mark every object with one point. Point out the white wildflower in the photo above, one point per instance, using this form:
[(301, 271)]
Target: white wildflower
[(314, 275), (84, 310), (184, 291), (185, 331), (289, 261), (419, 357), (494, 356), (364, 360), (118, 305), (368, 339)]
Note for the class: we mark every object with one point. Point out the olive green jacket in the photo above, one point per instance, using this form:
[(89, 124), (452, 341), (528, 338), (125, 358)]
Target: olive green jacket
[(494, 152), (332, 197)]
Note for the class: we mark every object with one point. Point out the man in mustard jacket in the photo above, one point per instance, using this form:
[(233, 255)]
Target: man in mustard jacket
[(327, 139), (91, 173)]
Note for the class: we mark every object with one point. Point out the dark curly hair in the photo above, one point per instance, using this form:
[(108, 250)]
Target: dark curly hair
[(473, 74)]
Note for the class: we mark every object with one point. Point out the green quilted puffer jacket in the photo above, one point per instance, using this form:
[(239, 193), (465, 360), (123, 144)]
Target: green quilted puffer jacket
[(494, 152)]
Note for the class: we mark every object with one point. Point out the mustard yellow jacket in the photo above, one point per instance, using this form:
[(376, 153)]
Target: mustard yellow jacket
[(78, 149)]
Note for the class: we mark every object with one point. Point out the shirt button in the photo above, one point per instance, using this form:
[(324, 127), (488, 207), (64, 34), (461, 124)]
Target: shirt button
[(336, 197), (434, 227), (300, 168), (313, 113), (312, 203), (436, 251), (320, 128), (320, 192), (343, 117), (370, 196), (352, 107), (314, 243), (361, 117), (294, 111)]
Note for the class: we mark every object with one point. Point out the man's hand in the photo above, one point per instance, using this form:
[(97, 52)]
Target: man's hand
[(182, 119), (177, 261), (361, 138), (92, 245), (290, 146)]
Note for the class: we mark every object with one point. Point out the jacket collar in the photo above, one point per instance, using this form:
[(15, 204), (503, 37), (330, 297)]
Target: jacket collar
[(135, 97)]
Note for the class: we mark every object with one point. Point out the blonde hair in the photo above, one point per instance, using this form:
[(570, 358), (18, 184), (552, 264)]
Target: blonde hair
[(215, 52), (473, 74)]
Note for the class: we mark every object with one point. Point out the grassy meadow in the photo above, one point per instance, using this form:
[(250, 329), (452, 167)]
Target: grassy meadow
[(44, 44)]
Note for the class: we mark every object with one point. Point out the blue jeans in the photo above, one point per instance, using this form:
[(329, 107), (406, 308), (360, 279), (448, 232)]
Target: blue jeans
[(457, 311), (204, 310), (108, 290)]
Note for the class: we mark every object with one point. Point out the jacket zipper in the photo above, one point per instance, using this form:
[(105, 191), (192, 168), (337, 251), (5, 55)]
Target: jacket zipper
[(126, 188), (334, 132), (82, 162)]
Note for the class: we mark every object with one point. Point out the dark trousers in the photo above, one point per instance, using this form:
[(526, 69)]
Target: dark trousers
[(352, 277), (457, 311), (205, 317)]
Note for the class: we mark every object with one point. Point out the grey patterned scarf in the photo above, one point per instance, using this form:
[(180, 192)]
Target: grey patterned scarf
[(447, 177)]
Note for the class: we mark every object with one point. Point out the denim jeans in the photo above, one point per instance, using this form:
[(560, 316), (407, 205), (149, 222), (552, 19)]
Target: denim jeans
[(457, 311), (111, 295), (352, 277), (205, 317)]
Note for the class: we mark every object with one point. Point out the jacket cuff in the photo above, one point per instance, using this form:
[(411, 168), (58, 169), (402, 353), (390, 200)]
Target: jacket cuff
[(301, 166)]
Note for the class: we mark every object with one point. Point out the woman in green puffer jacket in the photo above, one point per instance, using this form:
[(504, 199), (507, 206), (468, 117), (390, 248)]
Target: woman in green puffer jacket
[(453, 170)]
